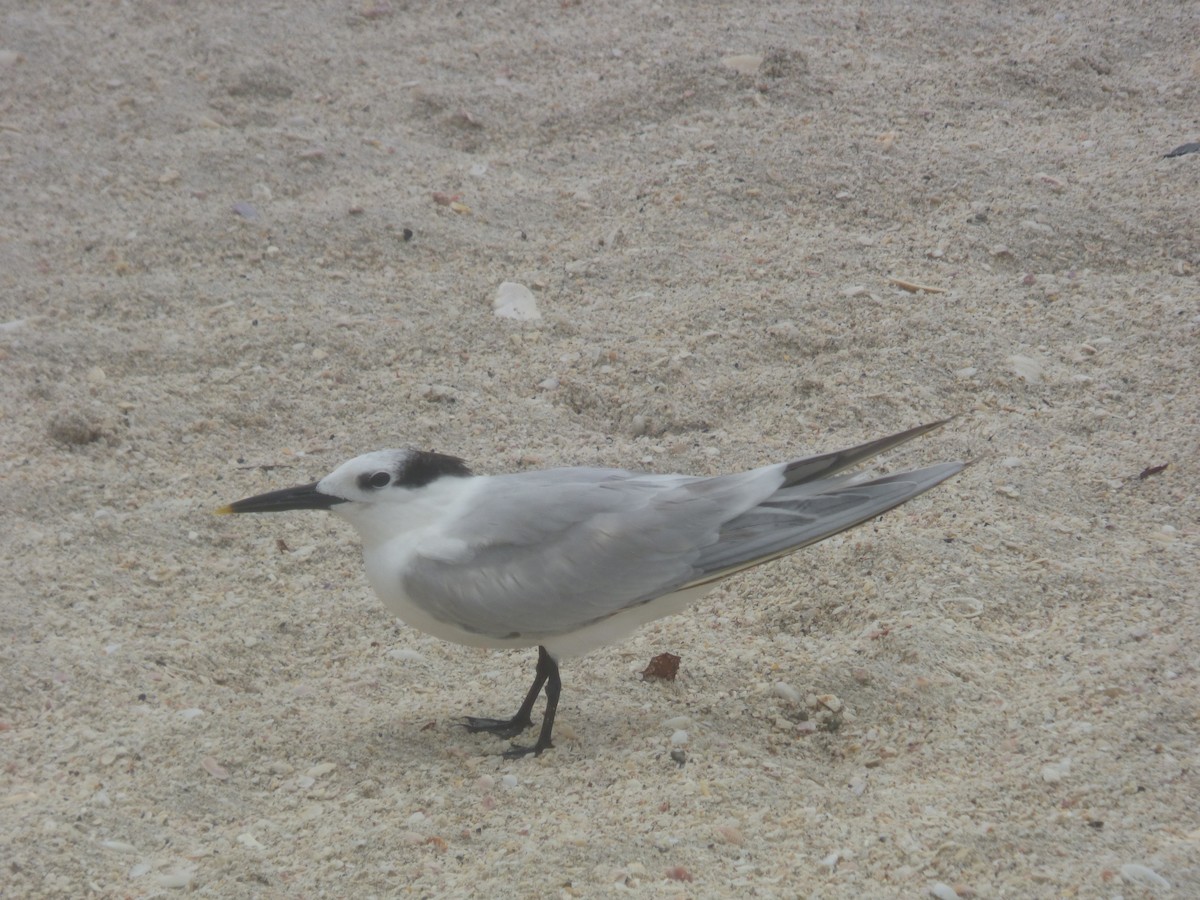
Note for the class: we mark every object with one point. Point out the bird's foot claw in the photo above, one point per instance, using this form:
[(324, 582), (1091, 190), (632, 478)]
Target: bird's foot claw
[(522, 752), (505, 728)]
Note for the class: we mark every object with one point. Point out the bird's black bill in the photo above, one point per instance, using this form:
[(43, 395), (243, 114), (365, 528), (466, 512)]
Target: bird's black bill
[(305, 496)]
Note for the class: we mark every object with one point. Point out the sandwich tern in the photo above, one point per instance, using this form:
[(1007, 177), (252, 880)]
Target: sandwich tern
[(569, 559)]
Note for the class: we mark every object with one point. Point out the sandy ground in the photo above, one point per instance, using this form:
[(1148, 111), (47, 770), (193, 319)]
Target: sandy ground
[(239, 247)]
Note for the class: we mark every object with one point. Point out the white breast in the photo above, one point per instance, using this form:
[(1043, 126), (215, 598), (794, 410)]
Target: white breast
[(392, 534)]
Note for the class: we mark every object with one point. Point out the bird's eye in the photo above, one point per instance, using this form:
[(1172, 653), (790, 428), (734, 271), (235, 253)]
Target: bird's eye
[(380, 479)]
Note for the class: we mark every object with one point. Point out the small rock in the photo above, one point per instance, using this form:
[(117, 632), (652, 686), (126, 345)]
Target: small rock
[(678, 873), (679, 738), (830, 702), (75, 428), (664, 667), (437, 393), (942, 891)]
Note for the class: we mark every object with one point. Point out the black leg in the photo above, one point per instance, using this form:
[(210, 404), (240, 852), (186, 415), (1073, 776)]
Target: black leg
[(547, 671)]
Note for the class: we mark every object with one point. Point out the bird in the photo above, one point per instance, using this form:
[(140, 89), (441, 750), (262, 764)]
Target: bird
[(571, 559)]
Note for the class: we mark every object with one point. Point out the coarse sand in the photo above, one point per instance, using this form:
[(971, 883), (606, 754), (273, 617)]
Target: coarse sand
[(243, 242)]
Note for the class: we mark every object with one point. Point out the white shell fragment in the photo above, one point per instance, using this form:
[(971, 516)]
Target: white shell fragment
[(1144, 875), (177, 878), (787, 692), (515, 301), (1056, 772), (1026, 368)]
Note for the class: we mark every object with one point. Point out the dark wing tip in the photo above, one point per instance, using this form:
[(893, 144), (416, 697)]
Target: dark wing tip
[(811, 468)]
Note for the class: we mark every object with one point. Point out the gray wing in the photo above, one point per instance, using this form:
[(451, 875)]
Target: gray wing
[(549, 552)]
